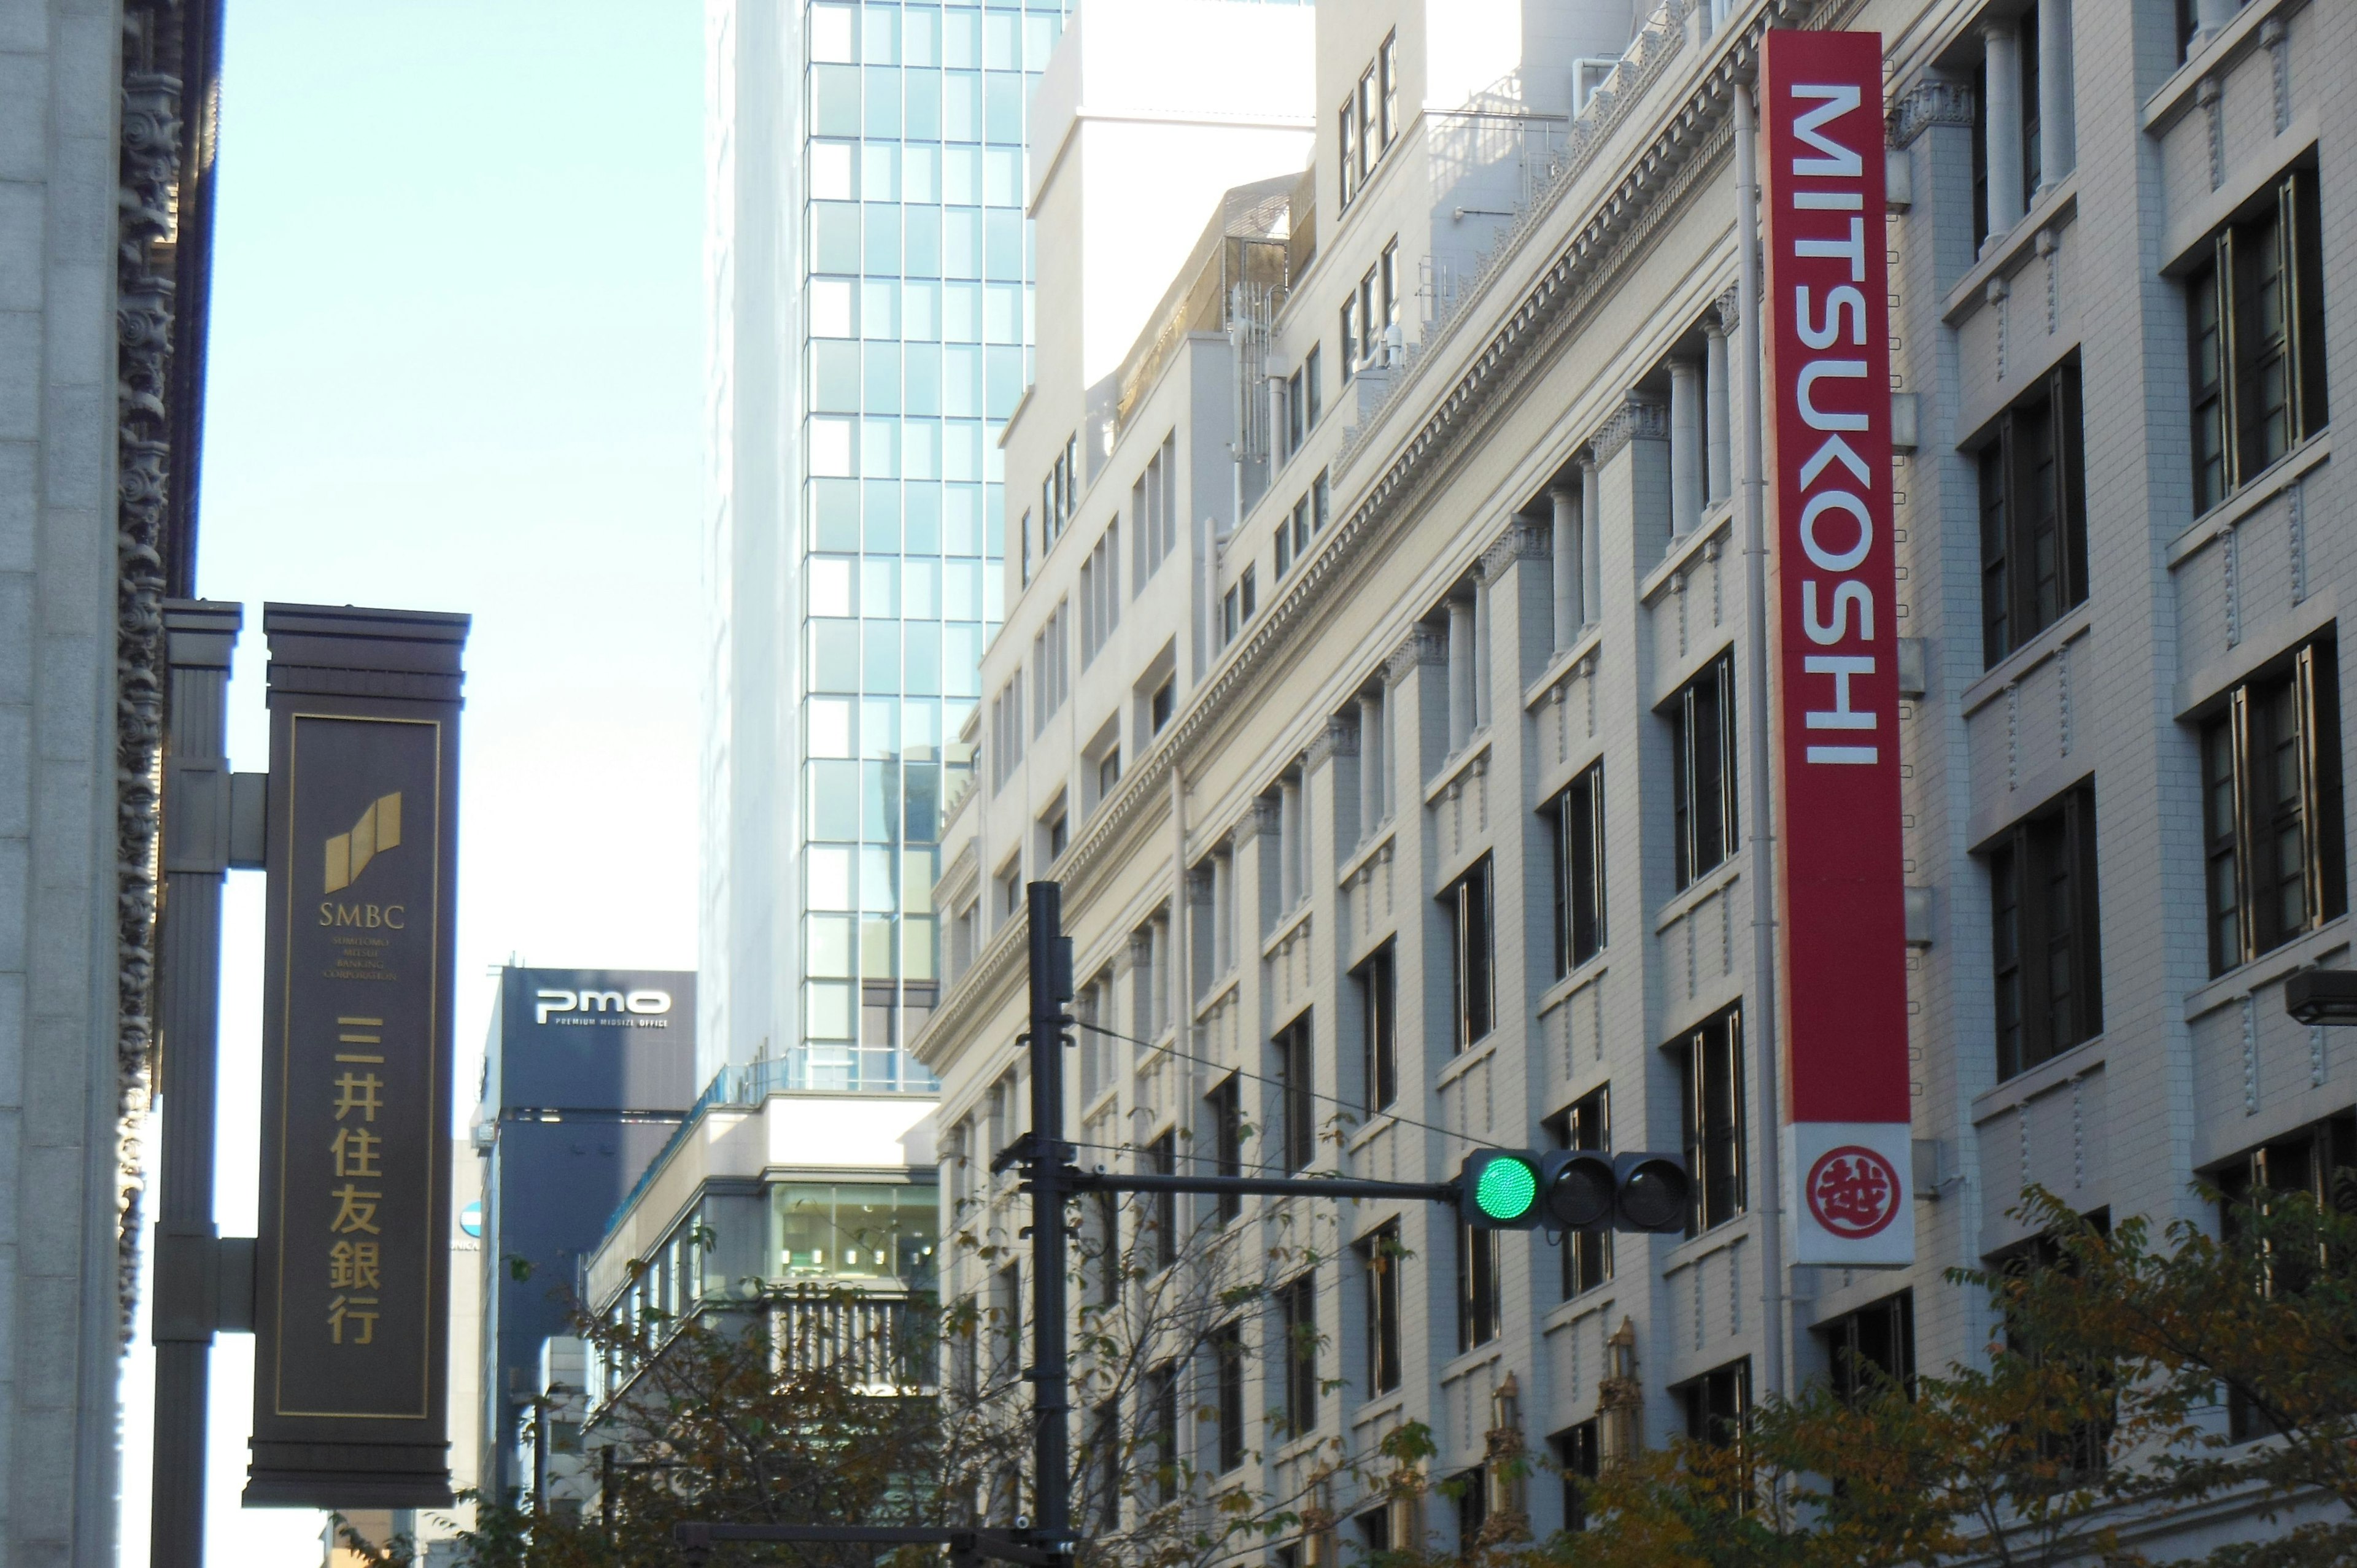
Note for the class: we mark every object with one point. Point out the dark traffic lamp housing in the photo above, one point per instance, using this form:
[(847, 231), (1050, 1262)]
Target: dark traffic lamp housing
[(1572, 1189), (2323, 997)]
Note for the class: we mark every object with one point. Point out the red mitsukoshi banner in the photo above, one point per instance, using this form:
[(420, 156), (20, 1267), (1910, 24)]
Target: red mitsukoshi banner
[(1847, 1100)]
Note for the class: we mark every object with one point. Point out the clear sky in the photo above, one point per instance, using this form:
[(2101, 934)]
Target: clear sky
[(456, 365)]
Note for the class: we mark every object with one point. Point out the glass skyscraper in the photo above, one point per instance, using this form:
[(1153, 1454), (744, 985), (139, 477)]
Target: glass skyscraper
[(870, 277)]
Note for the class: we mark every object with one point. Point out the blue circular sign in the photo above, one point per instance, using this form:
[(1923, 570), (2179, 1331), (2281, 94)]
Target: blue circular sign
[(471, 1219)]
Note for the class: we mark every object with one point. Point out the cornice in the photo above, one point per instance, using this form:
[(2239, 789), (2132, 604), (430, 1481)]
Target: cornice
[(1263, 818), (986, 986)]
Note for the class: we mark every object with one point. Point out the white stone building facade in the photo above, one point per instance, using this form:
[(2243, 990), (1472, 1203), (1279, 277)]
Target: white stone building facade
[(1381, 694), (106, 137)]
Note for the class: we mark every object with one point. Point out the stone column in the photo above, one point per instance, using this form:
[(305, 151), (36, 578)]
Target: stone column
[(1373, 748), (1223, 912), (1289, 844), (1721, 471), (2003, 149), (1158, 978), (1461, 674), (1685, 446), (2057, 136), (1591, 542), (1568, 554)]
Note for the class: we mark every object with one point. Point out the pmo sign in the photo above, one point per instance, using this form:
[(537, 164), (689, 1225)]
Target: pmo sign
[(557, 1003), (594, 1039)]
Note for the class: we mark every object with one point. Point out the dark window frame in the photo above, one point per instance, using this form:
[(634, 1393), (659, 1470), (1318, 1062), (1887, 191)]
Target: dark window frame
[(1715, 1119), (1297, 1068), (1578, 1454), (1719, 1404), (1878, 1336), (2250, 808), (1380, 1256), (1705, 822), (1298, 1321), (2032, 474), (1575, 820), (2255, 336), (1377, 976), (1223, 1112), (2046, 937), (1226, 1345), (2317, 1160), (1162, 1159), (1480, 1287), (1469, 906)]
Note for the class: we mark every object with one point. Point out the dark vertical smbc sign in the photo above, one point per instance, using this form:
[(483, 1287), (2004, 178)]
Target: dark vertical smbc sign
[(352, 1301)]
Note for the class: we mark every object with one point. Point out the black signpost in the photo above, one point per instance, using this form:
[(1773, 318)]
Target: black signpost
[(351, 1298)]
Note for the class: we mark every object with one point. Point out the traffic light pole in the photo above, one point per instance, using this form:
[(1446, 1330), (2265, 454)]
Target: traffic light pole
[(1046, 1540), (1051, 987)]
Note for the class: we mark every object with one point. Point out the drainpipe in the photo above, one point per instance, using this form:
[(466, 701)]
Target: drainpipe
[(1759, 807)]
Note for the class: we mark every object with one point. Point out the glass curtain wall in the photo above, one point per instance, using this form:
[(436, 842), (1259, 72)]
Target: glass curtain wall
[(916, 347)]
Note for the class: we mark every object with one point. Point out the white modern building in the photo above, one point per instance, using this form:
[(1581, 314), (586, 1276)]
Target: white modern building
[(1375, 681), (869, 267)]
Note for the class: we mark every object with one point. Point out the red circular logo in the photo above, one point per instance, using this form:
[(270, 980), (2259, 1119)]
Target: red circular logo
[(1854, 1192)]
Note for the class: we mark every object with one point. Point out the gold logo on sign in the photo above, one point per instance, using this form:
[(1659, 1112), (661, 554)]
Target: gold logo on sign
[(378, 830)]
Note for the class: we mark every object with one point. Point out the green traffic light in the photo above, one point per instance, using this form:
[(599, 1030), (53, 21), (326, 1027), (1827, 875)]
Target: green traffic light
[(1506, 1189)]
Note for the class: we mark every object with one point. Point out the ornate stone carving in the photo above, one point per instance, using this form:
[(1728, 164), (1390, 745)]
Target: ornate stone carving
[(1261, 819), (1929, 102), (147, 247), (1424, 645), (1638, 418), (1727, 308), (1339, 738), (1526, 539)]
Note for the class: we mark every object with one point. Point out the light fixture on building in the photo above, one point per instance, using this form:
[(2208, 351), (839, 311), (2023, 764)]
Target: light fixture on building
[(2323, 997)]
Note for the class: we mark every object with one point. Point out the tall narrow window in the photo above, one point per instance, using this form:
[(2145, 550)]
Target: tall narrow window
[(1162, 1159), (1297, 1092), (1587, 1255), (1313, 380), (1576, 819), (1711, 1097), (1228, 1374), (1465, 904), (1702, 770), (1379, 1265), (1478, 1287), (2316, 1162), (1298, 1319), (2044, 944), (1352, 333), (1158, 1401), (2271, 808), (2033, 506), (1376, 1020), (1577, 1455), (1224, 1108), (2255, 329), (1719, 1404), (1872, 1346)]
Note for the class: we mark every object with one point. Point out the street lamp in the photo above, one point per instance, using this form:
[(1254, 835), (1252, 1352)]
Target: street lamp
[(2323, 997)]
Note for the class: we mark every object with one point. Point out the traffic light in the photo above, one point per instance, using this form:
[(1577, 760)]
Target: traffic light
[(1650, 1191), (1572, 1189), (1498, 1190)]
